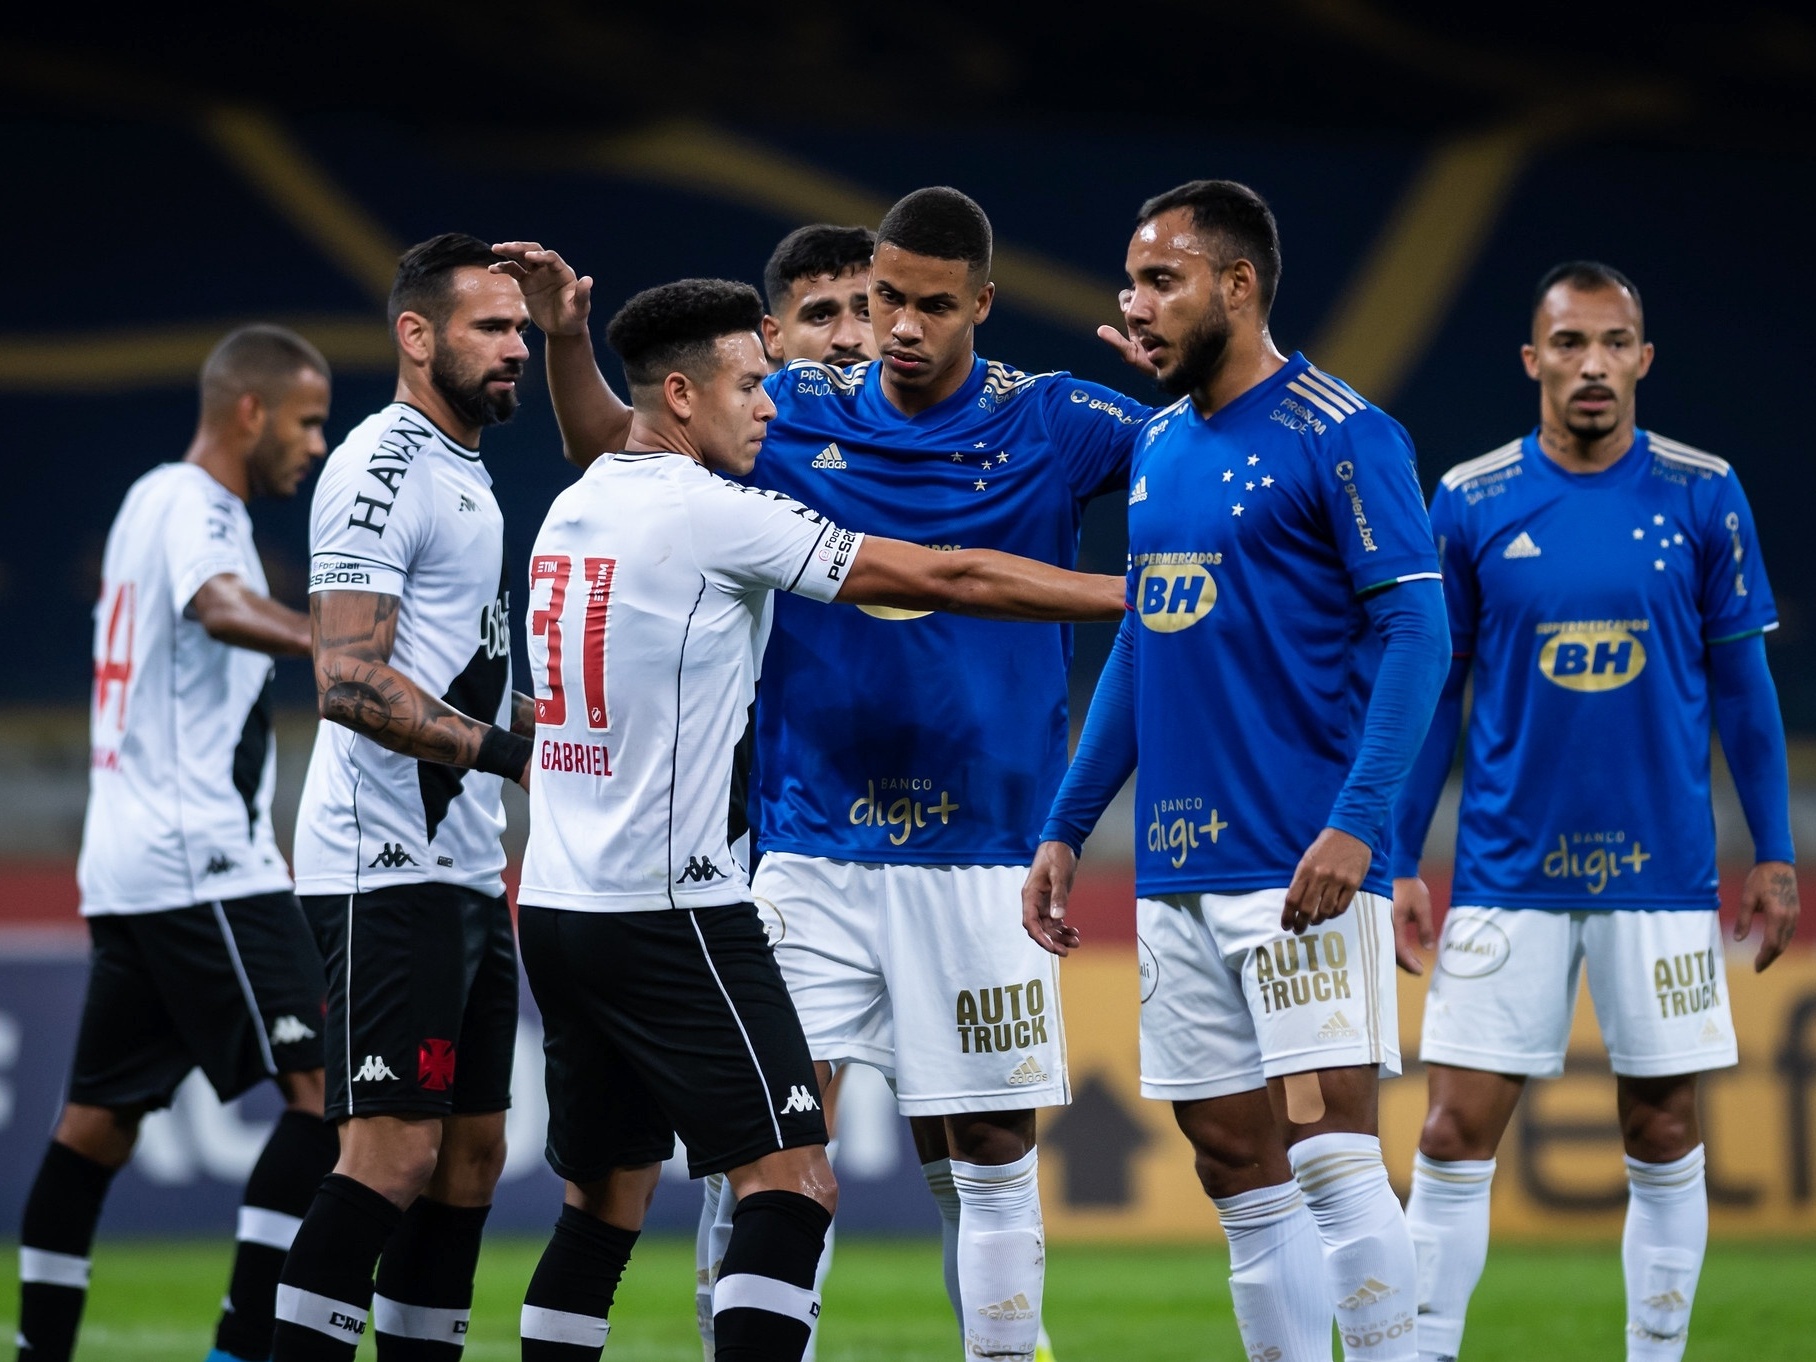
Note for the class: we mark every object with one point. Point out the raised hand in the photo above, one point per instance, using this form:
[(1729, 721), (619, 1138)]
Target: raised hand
[(559, 302), (1124, 345)]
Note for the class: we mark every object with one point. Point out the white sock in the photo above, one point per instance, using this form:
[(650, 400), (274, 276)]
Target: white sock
[(1448, 1216), (710, 1237), (1367, 1250), (945, 1197), (1002, 1256), (820, 1270), (1662, 1252), (1277, 1280)]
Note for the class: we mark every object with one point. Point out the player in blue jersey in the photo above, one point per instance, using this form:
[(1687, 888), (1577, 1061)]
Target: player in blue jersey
[(1607, 584), (903, 761), (1284, 646)]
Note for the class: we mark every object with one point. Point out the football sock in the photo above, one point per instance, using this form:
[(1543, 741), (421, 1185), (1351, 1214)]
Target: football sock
[(945, 1197), (710, 1235), (1448, 1216), (325, 1290), (300, 1153), (1662, 1251), (423, 1299), (1002, 1260), (1367, 1249), (56, 1236), (567, 1308), (764, 1303), (1277, 1280)]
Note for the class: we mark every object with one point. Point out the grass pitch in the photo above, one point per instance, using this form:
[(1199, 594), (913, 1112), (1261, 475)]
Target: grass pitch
[(155, 1301)]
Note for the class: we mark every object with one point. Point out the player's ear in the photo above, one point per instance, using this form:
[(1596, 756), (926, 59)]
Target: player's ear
[(985, 296), (1645, 359), (678, 395), (772, 340), (251, 412), (1241, 288), (1529, 356), (415, 336)]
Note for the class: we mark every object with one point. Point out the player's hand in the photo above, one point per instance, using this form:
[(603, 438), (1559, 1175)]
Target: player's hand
[(1328, 876), (1044, 898), (1132, 354), (1412, 923), (559, 303), (1771, 892)]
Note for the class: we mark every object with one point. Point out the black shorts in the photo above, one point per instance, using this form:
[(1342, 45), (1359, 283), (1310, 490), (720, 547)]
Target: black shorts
[(422, 1000), (232, 987), (664, 1023)]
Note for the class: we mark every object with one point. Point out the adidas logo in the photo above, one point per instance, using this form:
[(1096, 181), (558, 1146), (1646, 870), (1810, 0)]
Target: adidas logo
[(288, 1031), (1027, 1073), (799, 1099), (373, 1070), (1668, 1300), (1710, 1031), (1522, 547), (1139, 492), (1372, 1292), (1016, 1307), (1337, 1027), (829, 457)]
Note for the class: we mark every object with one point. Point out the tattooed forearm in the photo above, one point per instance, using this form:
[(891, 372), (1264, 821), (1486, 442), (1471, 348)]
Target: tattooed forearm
[(523, 715), (375, 700)]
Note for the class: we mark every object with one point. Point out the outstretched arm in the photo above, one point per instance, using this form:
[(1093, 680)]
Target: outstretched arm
[(1752, 739), (976, 582), (232, 612), (356, 686), (591, 417)]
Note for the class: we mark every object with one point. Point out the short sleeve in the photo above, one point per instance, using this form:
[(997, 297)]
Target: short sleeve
[(1369, 485), (205, 534), (1462, 593), (365, 530), (1093, 430), (748, 538), (1735, 597)]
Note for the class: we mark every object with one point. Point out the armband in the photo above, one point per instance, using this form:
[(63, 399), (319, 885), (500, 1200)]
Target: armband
[(503, 753)]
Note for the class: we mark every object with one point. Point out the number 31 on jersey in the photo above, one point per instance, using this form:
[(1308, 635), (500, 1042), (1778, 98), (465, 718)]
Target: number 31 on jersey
[(551, 574)]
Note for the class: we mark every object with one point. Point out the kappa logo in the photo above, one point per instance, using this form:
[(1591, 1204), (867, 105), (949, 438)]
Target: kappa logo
[(467, 503), (829, 457), (1372, 1292), (435, 1065), (1139, 492), (1522, 547), (700, 869), (289, 1030), (219, 864), (1027, 1073), (799, 1099), (374, 1070), (1016, 1307), (391, 858), (1337, 1027)]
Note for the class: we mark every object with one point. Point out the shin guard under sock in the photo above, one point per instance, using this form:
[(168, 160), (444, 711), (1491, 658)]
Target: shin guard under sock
[(325, 1289), (764, 1304), (567, 1308), (56, 1235), (423, 1299)]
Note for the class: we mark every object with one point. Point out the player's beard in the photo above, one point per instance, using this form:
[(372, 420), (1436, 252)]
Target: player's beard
[(466, 392), (1200, 353)]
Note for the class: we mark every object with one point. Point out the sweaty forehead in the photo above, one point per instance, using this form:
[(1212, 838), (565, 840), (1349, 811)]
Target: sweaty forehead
[(1169, 233), (741, 354), (478, 292)]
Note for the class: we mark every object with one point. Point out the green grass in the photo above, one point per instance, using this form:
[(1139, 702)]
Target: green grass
[(155, 1302)]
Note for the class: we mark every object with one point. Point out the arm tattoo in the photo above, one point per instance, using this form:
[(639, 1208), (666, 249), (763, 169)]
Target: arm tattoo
[(523, 715), (1783, 887)]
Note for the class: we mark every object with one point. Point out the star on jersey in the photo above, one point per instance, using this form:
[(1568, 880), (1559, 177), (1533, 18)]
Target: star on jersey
[(1003, 457), (1639, 534), (1268, 481), (1658, 520), (981, 444), (1659, 563), (980, 484), (958, 458), (1254, 459), (1227, 475), (1248, 486), (1236, 509)]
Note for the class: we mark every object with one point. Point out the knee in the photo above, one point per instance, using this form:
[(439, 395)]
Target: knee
[(468, 1170), (306, 1092), (1229, 1162), (102, 1135), (805, 1171), (1451, 1135), (1655, 1135), (991, 1138)]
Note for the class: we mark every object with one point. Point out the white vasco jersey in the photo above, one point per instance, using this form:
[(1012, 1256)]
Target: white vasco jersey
[(181, 761), (649, 608), (402, 510)]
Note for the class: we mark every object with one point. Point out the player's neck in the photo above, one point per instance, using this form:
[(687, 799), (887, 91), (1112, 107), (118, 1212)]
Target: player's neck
[(415, 389), (914, 401), (652, 435), (221, 462), (1583, 454), (1249, 361)]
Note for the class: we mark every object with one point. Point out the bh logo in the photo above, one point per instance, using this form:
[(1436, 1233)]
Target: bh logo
[(1592, 659), (1175, 596)]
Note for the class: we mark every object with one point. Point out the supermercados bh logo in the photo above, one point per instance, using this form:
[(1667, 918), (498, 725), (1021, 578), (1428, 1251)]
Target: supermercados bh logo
[(1592, 655), (1001, 1019), (1175, 590)]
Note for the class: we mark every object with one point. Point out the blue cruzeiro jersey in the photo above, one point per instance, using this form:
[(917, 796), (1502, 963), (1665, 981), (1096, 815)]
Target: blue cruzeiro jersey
[(1588, 602), (1252, 537), (894, 736)]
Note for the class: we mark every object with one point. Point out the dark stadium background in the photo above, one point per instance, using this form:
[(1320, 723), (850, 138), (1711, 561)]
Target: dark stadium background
[(173, 173)]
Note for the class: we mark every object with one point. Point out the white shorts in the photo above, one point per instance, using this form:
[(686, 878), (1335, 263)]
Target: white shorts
[(1229, 1000), (1505, 988), (924, 972)]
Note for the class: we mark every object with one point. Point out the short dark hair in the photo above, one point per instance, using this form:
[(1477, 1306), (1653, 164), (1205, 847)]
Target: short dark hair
[(423, 274), (1238, 217), (260, 358), (812, 251), (1586, 276), (673, 326), (942, 223)]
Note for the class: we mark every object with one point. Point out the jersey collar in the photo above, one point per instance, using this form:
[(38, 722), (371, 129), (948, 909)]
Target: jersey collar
[(1267, 390), (1631, 464), (964, 397)]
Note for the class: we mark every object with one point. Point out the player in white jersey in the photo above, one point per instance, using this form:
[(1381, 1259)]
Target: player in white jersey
[(664, 1008), (397, 847), (202, 958)]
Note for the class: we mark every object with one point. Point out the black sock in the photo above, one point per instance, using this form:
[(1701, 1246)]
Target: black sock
[(325, 1289), (299, 1154), (56, 1236), (425, 1282), (570, 1294), (764, 1304)]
